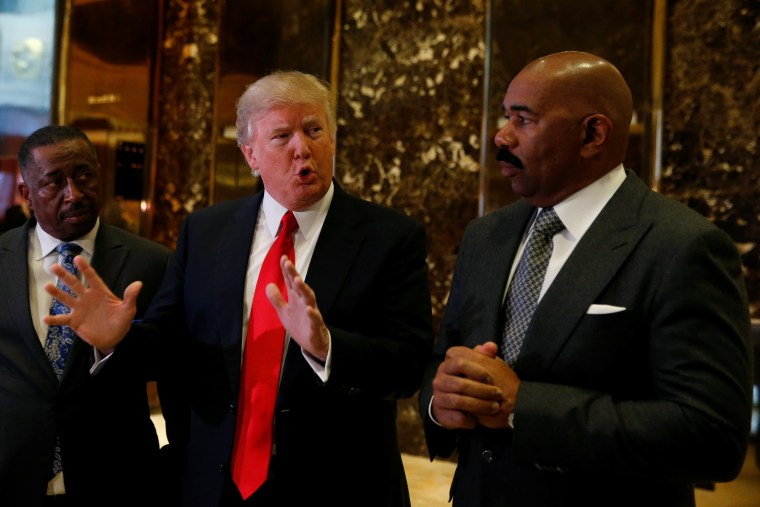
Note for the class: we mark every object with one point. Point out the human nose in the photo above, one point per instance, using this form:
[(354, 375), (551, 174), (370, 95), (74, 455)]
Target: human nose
[(505, 136), (73, 193), (301, 145)]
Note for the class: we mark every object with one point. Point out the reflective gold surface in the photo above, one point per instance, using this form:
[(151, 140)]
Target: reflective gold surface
[(186, 116), (106, 89)]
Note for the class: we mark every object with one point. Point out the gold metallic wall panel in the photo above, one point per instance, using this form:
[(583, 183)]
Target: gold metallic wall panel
[(105, 88), (185, 133)]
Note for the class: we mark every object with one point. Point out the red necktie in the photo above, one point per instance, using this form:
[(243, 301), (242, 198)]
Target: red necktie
[(261, 370)]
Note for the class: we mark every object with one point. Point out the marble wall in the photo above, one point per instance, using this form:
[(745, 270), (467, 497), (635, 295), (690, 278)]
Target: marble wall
[(711, 157), (410, 78), (411, 86)]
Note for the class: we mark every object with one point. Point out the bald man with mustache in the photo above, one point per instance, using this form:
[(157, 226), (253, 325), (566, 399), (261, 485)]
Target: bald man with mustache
[(615, 372)]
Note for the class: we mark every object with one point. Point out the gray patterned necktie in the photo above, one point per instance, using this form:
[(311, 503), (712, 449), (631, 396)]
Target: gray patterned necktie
[(61, 338), (523, 292)]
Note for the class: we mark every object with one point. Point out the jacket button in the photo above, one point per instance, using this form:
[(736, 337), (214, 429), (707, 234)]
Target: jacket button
[(232, 406), (221, 468), (487, 456)]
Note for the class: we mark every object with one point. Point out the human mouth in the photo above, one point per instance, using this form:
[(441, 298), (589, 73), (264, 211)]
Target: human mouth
[(305, 174)]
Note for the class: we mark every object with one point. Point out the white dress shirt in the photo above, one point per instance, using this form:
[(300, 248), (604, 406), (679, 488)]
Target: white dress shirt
[(310, 222), (42, 256), (577, 213)]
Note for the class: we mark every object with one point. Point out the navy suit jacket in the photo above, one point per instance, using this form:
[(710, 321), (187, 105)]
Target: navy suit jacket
[(625, 408), (109, 446), (335, 441)]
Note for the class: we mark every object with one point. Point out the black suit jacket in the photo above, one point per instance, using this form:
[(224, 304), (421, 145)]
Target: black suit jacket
[(108, 443), (633, 406), (336, 441)]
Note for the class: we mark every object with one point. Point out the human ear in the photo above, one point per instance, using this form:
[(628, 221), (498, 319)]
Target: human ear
[(597, 128), (23, 189), (250, 157)]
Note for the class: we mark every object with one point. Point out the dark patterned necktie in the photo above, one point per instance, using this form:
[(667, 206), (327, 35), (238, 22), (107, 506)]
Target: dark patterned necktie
[(61, 338), (523, 292)]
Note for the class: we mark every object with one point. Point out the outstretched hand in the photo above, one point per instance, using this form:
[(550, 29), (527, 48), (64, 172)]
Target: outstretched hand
[(97, 315), (299, 314)]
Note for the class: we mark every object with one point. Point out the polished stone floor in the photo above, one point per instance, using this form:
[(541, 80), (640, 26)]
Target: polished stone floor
[(429, 485), (429, 482)]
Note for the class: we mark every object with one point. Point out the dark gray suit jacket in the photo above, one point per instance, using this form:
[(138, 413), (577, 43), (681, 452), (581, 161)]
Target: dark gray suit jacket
[(108, 443), (633, 406), (336, 441)]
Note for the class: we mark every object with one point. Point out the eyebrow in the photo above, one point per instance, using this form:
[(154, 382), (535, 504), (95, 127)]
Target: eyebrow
[(312, 119), (518, 107), (278, 129), (306, 121)]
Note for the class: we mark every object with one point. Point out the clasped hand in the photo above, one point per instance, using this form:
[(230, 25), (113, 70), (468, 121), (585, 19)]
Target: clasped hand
[(474, 386)]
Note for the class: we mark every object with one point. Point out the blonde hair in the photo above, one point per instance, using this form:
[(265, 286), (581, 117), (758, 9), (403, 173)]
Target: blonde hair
[(279, 88)]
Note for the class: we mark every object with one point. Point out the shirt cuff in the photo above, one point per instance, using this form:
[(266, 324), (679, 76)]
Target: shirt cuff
[(322, 369), (100, 361), (430, 413)]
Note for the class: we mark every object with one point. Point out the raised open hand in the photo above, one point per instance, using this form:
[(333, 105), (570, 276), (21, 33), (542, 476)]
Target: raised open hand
[(299, 314), (97, 315)]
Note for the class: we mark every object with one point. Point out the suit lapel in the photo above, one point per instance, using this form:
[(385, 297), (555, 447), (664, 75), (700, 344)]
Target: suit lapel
[(336, 250), (14, 286), (231, 264), (609, 241), (334, 255)]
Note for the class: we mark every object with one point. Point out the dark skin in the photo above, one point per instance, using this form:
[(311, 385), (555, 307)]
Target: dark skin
[(62, 189), (568, 124)]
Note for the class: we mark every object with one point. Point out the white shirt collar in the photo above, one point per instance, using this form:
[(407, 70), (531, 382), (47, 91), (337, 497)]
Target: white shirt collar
[(48, 243), (307, 218), (579, 211)]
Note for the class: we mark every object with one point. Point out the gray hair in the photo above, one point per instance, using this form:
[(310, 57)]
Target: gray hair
[(279, 88)]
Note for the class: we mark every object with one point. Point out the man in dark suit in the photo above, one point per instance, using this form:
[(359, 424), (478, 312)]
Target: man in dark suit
[(15, 216), (99, 421), (358, 328), (631, 378)]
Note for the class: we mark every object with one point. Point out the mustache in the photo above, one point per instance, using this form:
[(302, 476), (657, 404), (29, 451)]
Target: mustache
[(504, 155), (77, 209)]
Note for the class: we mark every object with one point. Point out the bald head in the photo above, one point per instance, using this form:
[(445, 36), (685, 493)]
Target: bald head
[(589, 85), (569, 117)]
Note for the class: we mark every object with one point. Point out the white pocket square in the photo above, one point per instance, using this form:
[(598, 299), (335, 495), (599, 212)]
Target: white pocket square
[(604, 309)]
